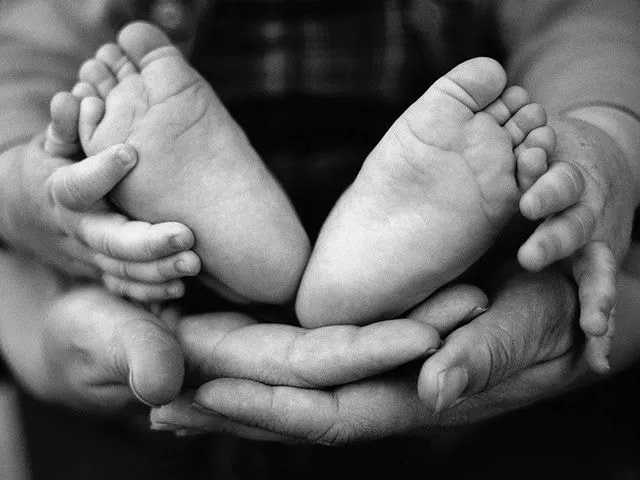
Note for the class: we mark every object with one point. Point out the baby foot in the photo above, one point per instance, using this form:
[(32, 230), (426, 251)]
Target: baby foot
[(429, 200), (195, 165)]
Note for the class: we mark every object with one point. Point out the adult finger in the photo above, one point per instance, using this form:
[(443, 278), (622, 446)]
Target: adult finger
[(180, 415), (364, 410), (524, 326), (450, 307), (115, 236), (80, 185), (233, 345)]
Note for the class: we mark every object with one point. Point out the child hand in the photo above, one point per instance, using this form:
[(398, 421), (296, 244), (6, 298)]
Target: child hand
[(138, 259), (588, 194)]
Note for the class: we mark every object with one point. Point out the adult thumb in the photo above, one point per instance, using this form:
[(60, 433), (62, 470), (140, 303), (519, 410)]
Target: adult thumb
[(530, 321)]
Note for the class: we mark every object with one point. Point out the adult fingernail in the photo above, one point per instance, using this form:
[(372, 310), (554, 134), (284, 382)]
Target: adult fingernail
[(431, 351), (127, 157), (137, 394), (476, 312), (451, 384), (164, 427)]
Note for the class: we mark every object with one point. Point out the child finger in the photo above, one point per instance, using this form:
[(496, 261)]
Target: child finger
[(62, 133), (557, 237), (80, 185), (143, 292), (595, 271), (558, 189), (183, 264), (115, 236)]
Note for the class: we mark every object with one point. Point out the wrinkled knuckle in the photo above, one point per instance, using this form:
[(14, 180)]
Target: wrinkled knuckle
[(124, 269), (336, 435), (107, 246), (52, 187), (581, 226), (165, 271), (570, 179), (501, 351), (152, 246), (551, 246)]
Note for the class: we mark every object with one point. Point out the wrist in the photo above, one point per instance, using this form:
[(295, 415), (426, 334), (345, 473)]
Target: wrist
[(24, 205), (621, 125)]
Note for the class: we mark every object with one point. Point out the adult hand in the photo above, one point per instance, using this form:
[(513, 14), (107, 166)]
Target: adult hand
[(84, 347), (524, 341)]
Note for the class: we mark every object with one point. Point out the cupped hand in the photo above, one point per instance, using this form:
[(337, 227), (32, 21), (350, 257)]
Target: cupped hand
[(526, 335)]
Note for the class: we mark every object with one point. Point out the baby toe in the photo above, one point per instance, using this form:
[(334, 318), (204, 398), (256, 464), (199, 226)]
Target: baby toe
[(531, 165), (542, 137), (91, 112), (83, 90), (525, 120), (116, 61), (143, 43), (96, 74)]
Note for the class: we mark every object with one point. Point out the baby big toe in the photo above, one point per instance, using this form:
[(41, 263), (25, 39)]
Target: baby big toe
[(143, 43), (96, 74), (112, 56), (475, 83)]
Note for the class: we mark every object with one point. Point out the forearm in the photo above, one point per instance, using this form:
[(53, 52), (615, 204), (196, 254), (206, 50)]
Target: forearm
[(579, 58), (27, 291)]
